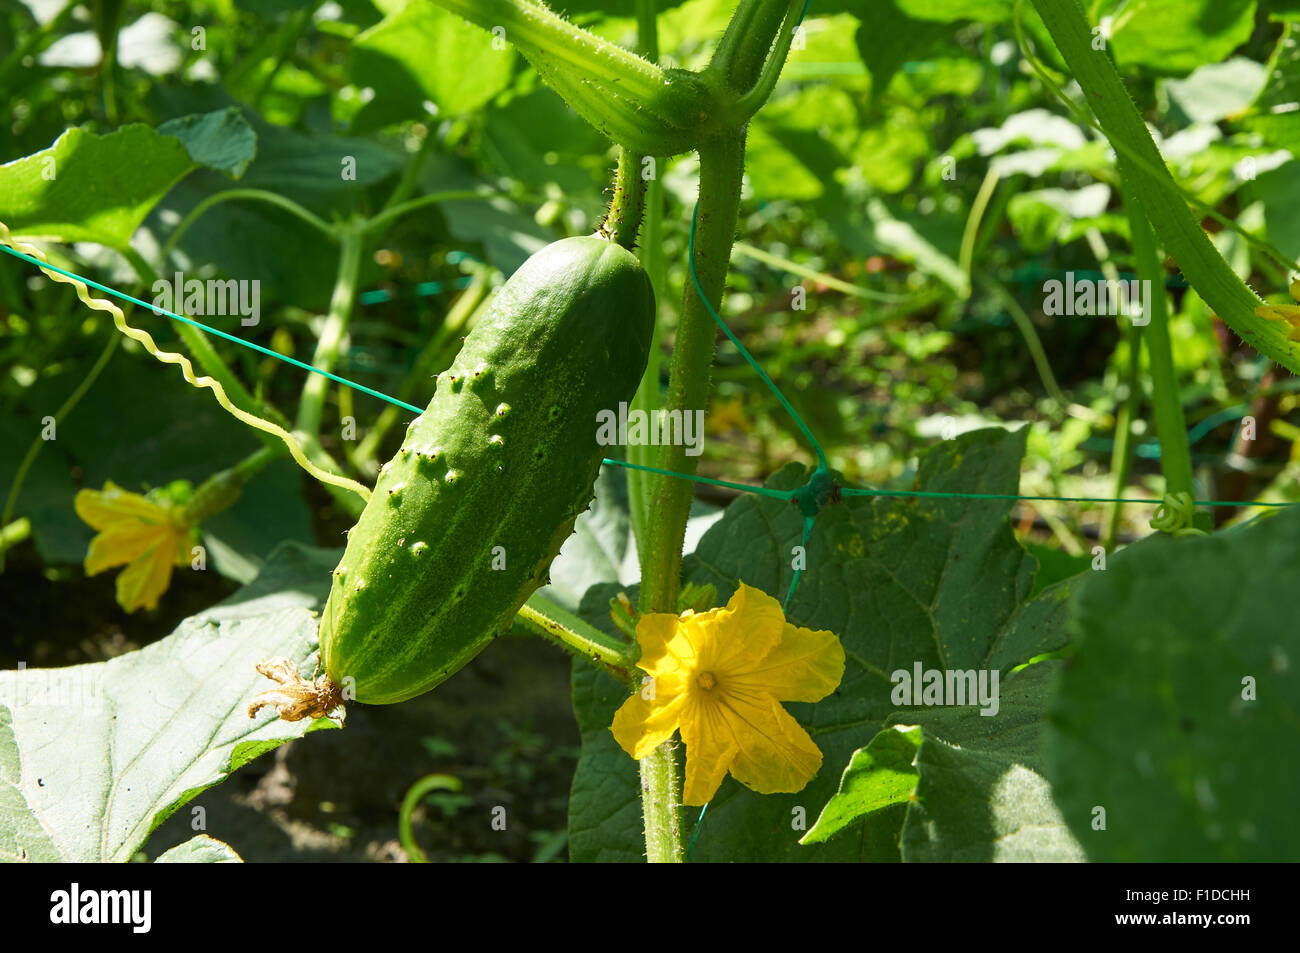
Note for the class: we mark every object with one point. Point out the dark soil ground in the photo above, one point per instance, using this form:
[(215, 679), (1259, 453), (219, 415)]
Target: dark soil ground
[(503, 727)]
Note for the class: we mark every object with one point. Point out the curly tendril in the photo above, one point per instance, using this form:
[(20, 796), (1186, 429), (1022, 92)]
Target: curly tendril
[(1175, 515), (187, 369)]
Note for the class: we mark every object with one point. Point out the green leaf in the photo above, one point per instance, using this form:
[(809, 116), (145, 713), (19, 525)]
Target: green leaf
[(1174, 37), (1279, 190), (94, 757), (91, 188), (1153, 721), (201, 849), (879, 775), (972, 784), (1275, 118), (425, 53), (910, 39), (222, 140), (935, 581), (981, 794), (1218, 90)]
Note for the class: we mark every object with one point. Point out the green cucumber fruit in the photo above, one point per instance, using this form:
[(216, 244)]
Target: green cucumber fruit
[(466, 518)]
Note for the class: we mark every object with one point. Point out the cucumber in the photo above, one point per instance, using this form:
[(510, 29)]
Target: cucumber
[(465, 520)]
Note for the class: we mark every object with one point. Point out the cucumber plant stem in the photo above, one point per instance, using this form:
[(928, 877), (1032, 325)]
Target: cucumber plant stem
[(722, 166), (1175, 455), (623, 221), (1121, 459), (311, 406), (652, 257)]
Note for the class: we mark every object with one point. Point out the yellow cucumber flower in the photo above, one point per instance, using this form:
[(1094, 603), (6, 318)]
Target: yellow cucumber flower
[(720, 677), (147, 535)]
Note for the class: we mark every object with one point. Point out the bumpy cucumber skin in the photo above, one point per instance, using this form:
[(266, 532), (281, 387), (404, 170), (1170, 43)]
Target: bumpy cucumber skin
[(504, 455)]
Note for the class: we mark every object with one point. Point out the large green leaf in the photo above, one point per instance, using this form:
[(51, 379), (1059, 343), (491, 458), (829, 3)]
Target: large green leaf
[(1275, 118), (1179, 716), (1177, 36), (222, 140), (92, 188), (425, 53), (900, 581), (973, 786), (94, 757), (100, 188)]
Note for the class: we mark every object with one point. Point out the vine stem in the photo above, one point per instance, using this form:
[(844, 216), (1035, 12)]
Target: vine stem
[(652, 257), (722, 165), (543, 617), (1171, 426), (1144, 172), (623, 221), (311, 406)]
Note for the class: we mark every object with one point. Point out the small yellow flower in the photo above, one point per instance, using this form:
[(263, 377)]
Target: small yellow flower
[(147, 536), (1285, 312), (720, 677)]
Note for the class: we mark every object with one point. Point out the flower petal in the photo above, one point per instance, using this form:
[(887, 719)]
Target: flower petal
[(806, 667), (776, 755), (743, 632), (641, 725), (711, 747), (102, 508), (655, 633), (122, 543), (141, 584)]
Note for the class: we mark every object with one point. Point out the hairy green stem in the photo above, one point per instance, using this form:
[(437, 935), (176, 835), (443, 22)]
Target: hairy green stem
[(536, 30), (623, 220), (392, 214), (741, 58), (1175, 454), (661, 805), (750, 102), (255, 195), (721, 168), (722, 165), (542, 617), (311, 406), (1144, 172), (1121, 458), (652, 257)]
